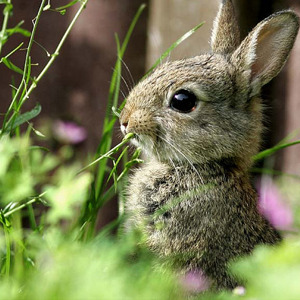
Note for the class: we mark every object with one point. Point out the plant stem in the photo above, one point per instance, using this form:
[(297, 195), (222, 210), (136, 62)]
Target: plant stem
[(108, 154), (23, 205), (18, 246), (4, 24), (27, 58), (8, 251), (50, 62), (55, 54), (31, 215)]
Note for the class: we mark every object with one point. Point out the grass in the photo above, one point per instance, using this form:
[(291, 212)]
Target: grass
[(49, 244)]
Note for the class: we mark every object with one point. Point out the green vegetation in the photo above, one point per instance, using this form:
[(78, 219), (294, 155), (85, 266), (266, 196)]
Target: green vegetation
[(49, 245)]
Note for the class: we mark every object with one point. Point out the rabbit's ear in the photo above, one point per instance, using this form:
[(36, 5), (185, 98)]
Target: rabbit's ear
[(265, 50), (225, 34)]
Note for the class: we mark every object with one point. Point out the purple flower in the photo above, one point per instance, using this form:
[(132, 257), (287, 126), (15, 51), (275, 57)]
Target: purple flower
[(68, 132), (272, 205), (194, 281)]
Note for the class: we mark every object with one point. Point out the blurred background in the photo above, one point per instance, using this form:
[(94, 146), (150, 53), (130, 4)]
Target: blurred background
[(76, 87)]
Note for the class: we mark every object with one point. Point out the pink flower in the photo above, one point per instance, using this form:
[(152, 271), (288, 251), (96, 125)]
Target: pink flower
[(194, 281), (68, 132), (272, 205)]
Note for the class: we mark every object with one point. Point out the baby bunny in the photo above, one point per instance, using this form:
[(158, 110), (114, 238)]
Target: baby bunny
[(198, 122)]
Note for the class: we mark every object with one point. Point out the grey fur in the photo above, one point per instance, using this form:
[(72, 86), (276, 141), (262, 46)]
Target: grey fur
[(193, 198)]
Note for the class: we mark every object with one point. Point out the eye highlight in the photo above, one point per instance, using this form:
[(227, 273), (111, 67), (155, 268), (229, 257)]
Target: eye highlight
[(183, 101)]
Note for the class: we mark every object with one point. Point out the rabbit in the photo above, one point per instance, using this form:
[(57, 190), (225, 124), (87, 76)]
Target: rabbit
[(198, 122)]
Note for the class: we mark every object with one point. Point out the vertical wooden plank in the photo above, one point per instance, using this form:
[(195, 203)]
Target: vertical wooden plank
[(291, 156), (170, 19)]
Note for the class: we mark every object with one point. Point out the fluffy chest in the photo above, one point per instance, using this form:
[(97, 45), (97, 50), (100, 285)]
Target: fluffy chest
[(160, 194)]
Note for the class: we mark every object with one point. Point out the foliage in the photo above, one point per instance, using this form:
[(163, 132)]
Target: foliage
[(49, 206)]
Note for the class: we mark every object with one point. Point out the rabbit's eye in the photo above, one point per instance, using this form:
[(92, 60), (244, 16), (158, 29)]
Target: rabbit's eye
[(183, 101)]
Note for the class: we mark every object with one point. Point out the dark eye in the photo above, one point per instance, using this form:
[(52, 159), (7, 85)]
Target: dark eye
[(183, 101)]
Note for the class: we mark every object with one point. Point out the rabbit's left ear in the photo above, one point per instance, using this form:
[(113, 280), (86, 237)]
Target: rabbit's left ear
[(265, 50)]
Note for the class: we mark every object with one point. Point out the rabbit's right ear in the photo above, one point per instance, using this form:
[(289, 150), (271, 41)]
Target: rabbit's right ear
[(263, 53), (225, 36)]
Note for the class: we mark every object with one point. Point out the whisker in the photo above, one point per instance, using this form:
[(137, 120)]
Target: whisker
[(123, 94), (168, 57), (129, 73), (124, 81), (126, 84)]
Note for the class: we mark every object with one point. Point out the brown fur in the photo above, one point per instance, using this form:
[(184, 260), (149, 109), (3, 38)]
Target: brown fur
[(193, 198)]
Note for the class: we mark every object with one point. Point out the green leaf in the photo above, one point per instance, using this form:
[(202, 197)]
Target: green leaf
[(67, 191), (22, 31), (11, 65), (39, 148), (61, 8), (18, 29), (23, 118)]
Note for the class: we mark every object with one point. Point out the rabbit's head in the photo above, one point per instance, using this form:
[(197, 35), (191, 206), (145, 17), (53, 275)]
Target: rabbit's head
[(207, 107)]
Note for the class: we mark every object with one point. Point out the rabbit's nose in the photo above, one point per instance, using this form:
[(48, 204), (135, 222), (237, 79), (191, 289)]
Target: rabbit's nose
[(124, 127)]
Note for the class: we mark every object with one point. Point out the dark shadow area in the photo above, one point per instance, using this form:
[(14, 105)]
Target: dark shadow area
[(274, 93)]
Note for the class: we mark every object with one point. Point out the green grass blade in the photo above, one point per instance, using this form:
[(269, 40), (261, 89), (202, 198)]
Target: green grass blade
[(120, 53), (114, 150), (289, 137), (269, 152), (114, 169), (131, 28), (109, 122), (110, 119), (8, 251), (115, 99), (172, 47)]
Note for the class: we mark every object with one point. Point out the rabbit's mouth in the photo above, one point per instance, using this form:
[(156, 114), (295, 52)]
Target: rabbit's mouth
[(160, 147), (147, 143), (136, 141)]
